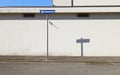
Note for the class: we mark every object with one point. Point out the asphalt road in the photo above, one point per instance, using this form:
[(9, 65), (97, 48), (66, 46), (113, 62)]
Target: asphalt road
[(44, 68)]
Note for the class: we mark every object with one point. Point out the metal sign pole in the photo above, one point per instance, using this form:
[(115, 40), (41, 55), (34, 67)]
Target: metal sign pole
[(47, 36), (47, 12)]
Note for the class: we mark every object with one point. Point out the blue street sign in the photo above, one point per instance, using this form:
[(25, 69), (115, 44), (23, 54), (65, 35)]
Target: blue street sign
[(47, 11)]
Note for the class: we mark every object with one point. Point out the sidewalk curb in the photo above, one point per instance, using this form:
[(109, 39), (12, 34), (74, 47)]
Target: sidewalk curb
[(59, 59)]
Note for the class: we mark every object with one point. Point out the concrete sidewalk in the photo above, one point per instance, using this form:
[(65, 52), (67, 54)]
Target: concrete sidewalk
[(59, 59)]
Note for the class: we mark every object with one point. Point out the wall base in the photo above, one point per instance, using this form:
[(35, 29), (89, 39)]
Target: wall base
[(60, 59)]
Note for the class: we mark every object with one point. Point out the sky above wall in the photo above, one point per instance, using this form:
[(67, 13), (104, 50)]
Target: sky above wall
[(25, 2)]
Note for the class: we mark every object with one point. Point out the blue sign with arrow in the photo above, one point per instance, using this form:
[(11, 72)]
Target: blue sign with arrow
[(47, 11)]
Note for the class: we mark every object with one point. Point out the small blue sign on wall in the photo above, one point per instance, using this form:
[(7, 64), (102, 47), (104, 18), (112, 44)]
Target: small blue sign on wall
[(47, 11)]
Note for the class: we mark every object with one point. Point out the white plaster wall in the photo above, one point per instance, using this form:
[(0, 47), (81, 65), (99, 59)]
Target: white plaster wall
[(25, 36), (22, 37), (95, 2), (104, 37)]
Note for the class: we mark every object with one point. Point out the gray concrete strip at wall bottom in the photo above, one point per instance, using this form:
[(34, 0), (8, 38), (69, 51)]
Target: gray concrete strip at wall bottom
[(59, 59)]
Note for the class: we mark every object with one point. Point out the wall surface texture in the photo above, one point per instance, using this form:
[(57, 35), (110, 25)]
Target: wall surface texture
[(22, 36), (27, 36)]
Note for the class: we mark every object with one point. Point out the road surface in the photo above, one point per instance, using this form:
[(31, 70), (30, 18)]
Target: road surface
[(59, 68)]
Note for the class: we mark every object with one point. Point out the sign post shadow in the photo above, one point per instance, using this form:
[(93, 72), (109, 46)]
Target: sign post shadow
[(81, 41)]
